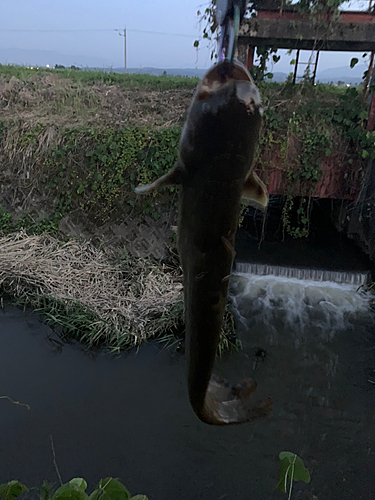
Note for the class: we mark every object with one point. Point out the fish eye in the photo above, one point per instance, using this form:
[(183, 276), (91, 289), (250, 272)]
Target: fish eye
[(206, 107)]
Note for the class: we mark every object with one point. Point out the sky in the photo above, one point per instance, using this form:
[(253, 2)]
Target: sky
[(175, 49)]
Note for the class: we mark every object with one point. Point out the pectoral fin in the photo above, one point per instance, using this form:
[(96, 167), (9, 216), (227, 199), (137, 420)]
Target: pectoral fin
[(255, 192), (171, 178)]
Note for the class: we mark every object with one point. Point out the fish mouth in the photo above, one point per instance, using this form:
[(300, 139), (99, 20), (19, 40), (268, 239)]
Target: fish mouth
[(222, 75)]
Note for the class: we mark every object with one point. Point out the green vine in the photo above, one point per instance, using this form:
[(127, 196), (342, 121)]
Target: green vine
[(101, 168), (317, 9)]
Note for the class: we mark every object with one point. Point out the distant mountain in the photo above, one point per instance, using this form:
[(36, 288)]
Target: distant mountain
[(44, 57), (342, 73), (170, 71), (190, 72), (25, 57), (279, 77), (347, 71)]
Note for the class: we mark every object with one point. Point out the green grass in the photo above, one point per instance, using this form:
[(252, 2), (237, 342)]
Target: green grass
[(90, 77)]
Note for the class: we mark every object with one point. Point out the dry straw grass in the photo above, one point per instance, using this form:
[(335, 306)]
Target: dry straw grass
[(55, 101), (96, 300)]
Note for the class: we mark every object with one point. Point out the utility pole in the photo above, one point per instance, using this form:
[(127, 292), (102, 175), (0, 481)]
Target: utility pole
[(125, 67), (124, 35)]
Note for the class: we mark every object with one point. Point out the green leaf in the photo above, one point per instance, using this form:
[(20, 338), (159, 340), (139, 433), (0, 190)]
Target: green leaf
[(139, 497), (74, 490), (291, 466), (79, 483), (327, 152), (364, 153), (11, 490), (353, 62), (110, 489), (196, 43)]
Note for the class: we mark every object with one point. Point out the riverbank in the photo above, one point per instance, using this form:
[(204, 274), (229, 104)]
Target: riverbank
[(98, 296), (74, 144)]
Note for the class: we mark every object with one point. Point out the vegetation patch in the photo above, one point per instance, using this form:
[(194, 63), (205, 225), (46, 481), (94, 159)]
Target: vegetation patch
[(58, 171), (95, 296), (107, 489), (91, 294), (80, 144), (81, 148), (306, 127), (50, 99), (92, 77)]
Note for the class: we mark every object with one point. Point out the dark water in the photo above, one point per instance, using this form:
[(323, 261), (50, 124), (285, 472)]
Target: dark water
[(129, 417), (263, 239)]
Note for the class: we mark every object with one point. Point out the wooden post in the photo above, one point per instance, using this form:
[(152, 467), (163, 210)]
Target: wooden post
[(368, 76), (250, 57), (295, 68), (371, 115), (315, 67), (242, 53)]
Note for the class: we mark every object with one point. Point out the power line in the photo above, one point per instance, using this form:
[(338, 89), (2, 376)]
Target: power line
[(162, 33), (93, 31), (52, 31)]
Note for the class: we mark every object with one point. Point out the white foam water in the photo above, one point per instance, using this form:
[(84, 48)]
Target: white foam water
[(281, 303), (350, 277)]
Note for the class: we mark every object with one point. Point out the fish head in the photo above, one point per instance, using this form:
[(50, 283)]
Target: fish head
[(228, 80), (225, 115)]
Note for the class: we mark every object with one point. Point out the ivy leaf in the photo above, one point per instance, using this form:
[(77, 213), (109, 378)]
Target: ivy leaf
[(353, 62), (79, 483), (74, 490), (196, 43), (11, 490), (291, 466), (110, 489)]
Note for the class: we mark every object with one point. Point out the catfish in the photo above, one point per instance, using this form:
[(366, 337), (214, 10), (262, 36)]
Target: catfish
[(215, 173)]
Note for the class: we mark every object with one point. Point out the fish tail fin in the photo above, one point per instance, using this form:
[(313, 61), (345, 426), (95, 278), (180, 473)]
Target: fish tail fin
[(224, 405)]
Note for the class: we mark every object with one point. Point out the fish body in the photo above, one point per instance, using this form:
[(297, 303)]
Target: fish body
[(214, 170)]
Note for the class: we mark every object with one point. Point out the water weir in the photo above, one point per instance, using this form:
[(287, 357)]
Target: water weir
[(348, 277)]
